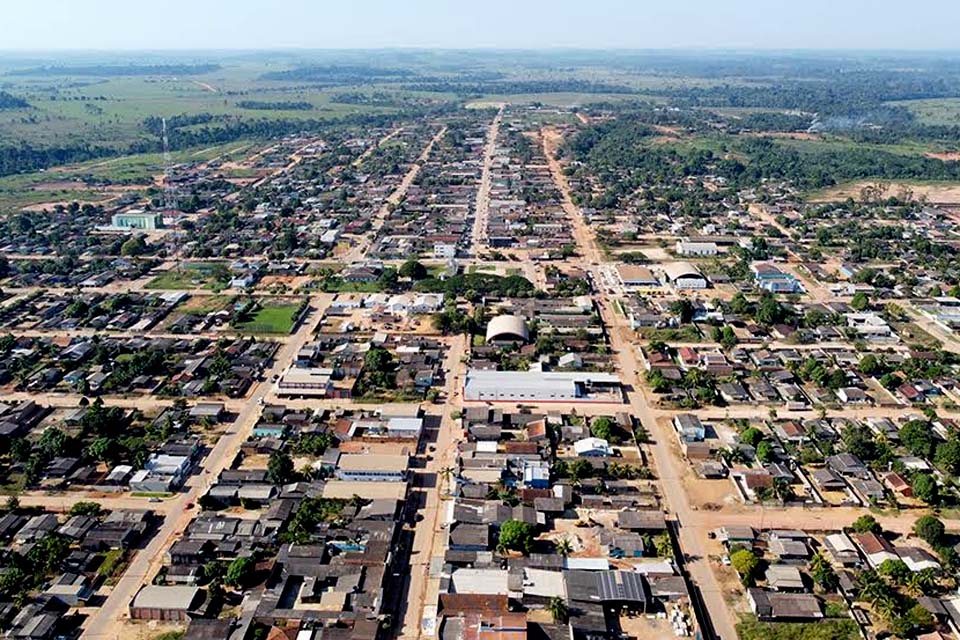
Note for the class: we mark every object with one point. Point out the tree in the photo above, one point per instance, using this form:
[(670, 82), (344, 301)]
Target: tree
[(739, 304), (769, 311), (925, 488), (728, 338), (919, 618), (280, 468), (376, 359), (822, 572), (683, 308), (751, 436), (135, 246), (12, 504), (866, 524), (860, 301), (764, 451), (746, 564), (896, 570), (947, 455), (239, 572), (85, 508), (869, 365), (557, 607), (602, 427), (930, 529), (564, 547), (917, 436), (516, 535), (413, 269)]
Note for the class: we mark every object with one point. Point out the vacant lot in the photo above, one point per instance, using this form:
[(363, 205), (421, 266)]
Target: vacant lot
[(934, 192), (752, 629), (271, 318), (189, 276)]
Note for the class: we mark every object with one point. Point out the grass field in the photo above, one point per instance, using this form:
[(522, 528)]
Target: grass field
[(941, 111), (750, 628), (191, 276), (271, 318)]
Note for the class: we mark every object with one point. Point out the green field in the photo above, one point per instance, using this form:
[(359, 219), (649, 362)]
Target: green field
[(942, 111), (750, 628), (190, 276), (271, 318)]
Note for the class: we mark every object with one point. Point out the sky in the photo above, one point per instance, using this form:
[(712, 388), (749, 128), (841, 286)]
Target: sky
[(524, 24)]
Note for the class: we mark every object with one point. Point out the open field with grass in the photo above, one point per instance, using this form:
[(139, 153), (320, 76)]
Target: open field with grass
[(943, 111), (752, 629), (188, 276), (272, 317)]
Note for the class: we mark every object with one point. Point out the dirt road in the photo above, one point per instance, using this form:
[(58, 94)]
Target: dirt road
[(478, 239), (430, 539), (359, 252), (106, 621), (692, 533)]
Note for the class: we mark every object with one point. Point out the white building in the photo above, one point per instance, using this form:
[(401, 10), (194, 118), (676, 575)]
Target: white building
[(683, 275), (698, 249), (305, 381), (444, 250), (537, 386)]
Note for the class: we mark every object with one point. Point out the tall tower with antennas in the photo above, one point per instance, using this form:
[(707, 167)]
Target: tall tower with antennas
[(169, 197)]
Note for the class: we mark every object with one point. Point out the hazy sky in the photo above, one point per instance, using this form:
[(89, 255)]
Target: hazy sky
[(640, 24)]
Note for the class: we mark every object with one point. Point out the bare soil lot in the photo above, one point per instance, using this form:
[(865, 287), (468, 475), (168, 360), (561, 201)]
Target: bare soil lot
[(942, 193)]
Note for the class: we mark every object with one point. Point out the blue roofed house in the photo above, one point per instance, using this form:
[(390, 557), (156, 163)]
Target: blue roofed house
[(773, 279)]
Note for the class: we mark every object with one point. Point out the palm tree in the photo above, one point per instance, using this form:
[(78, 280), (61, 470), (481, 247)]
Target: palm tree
[(564, 548), (557, 607), (920, 581)]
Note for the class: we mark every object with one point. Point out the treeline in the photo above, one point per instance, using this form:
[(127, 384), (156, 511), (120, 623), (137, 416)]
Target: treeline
[(772, 121), (283, 105), (377, 99), (617, 152), (10, 101), (461, 88), (842, 94), (24, 158), (119, 70), (338, 74)]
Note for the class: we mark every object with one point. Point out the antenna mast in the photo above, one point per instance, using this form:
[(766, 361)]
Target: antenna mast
[(169, 197)]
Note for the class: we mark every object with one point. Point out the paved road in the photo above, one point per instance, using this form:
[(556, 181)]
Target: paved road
[(105, 622)]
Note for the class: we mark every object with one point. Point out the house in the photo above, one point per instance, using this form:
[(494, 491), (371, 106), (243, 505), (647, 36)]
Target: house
[(852, 395), (372, 467), (841, 549), (166, 603), (636, 276), (897, 484), (71, 589), (875, 548), (768, 605), (689, 427), (848, 465), (917, 559), (771, 278), (827, 480), (781, 577), (687, 248), (592, 447)]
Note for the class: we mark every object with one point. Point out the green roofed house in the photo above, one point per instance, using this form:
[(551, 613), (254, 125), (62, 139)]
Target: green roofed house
[(137, 219)]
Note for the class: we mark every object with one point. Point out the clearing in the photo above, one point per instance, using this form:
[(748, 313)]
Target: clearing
[(271, 318), (947, 193)]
